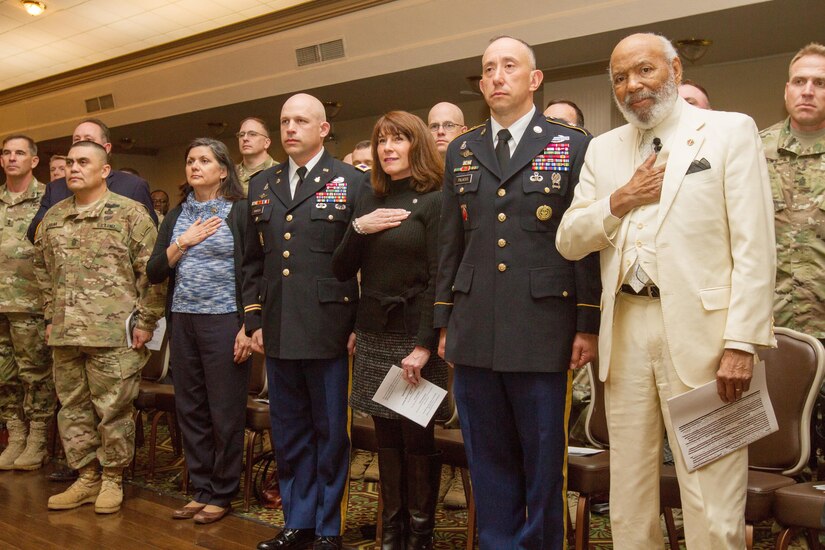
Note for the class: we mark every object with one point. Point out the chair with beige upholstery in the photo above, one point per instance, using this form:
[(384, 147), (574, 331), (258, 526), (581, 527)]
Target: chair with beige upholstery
[(590, 475), (794, 372)]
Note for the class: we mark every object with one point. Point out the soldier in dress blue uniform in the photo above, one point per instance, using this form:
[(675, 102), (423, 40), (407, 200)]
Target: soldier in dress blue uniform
[(515, 316), (301, 316)]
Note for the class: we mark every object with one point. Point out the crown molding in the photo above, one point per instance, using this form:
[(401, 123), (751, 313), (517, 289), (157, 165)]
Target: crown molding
[(264, 25)]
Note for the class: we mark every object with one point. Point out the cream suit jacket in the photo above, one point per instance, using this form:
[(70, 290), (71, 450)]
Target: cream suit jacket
[(714, 241)]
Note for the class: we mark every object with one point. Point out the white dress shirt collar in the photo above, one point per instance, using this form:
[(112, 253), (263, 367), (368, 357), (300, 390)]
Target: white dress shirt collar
[(293, 170), (517, 129)]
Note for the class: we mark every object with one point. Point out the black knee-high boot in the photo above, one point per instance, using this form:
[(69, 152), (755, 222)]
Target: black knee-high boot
[(423, 479), (393, 489)]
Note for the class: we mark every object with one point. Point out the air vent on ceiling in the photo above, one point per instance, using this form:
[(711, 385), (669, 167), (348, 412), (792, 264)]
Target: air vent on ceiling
[(100, 103), (320, 52)]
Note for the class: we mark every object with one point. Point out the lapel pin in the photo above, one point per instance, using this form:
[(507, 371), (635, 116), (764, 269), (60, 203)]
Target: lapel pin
[(690, 143), (537, 129), (317, 179)]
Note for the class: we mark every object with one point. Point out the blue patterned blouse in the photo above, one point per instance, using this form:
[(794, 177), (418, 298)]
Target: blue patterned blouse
[(205, 275)]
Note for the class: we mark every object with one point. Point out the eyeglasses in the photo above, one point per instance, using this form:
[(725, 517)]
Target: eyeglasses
[(251, 134), (448, 126)]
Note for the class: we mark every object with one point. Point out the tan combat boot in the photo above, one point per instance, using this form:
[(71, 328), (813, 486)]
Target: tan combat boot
[(35, 454), (111, 492), (83, 491), (17, 443)]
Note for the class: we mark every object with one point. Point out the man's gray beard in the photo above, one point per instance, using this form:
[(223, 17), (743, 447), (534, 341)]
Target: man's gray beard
[(663, 101)]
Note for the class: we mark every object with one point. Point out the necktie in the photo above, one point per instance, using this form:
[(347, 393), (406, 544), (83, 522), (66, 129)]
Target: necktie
[(646, 145), (503, 150), (302, 173)]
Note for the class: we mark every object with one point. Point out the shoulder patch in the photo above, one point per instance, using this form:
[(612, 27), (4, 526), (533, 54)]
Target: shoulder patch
[(362, 168), (468, 130), (570, 126)]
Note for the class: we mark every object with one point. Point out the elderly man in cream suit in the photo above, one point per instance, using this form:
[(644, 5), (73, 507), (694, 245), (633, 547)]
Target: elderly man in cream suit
[(679, 206)]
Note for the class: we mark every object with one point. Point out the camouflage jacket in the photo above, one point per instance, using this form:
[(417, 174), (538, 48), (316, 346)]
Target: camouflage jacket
[(91, 266), (19, 292), (245, 175), (798, 188)]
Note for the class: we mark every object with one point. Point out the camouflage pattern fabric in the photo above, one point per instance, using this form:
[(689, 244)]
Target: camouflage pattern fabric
[(91, 266), (96, 387), (26, 386), (26, 383), (18, 288), (798, 188), (245, 175)]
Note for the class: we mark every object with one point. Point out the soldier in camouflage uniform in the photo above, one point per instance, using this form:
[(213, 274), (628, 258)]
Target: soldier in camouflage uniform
[(26, 387), (795, 149), (92, 251)]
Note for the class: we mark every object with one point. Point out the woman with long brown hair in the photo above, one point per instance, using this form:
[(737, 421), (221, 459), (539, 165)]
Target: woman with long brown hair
[(393, 240)]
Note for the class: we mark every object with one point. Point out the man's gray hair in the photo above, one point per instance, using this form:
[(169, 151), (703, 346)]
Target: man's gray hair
[(668, 50)]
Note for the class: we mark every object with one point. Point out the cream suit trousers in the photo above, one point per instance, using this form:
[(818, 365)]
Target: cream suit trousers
[(640, 380)]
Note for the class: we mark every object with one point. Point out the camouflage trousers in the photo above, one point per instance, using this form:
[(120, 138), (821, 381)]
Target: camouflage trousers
[(96, 388), (26, 383)]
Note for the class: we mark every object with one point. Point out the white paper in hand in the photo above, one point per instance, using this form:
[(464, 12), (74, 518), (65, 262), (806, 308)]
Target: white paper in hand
[(708, 429), (418, 403)]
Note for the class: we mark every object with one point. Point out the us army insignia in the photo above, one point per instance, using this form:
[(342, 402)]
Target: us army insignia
[(544, 212)]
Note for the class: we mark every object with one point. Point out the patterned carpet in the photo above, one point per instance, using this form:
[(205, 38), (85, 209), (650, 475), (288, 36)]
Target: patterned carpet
[(363, 506)]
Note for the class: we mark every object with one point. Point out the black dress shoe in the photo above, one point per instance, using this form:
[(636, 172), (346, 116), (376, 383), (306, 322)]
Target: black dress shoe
[(327, 543), (63, 474), (290, 539)]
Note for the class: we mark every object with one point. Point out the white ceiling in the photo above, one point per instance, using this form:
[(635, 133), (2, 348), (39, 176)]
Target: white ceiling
[(74, 33)]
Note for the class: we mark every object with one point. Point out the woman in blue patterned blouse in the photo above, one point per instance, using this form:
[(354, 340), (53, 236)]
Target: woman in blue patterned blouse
[(199, 250)]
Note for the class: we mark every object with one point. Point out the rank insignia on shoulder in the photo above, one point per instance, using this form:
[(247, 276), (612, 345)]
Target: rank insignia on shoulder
[(560, 139)]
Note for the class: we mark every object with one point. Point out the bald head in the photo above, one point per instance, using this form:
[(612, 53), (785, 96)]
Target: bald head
[(307, 104), (446, 121), (645, 72), (303, 127)]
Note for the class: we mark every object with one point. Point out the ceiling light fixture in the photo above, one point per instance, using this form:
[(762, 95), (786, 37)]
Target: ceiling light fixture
[(692, 49), (33, 8)]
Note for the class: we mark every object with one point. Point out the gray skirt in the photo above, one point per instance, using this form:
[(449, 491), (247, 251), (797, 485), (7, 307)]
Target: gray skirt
[(375, 353)]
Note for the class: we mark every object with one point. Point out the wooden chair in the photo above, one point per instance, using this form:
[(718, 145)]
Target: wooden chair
[(590, 475), (158, 401), (794, 372), (799, 507), (257, 421)]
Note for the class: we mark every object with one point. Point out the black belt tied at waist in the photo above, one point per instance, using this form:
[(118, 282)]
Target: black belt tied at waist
[(389, 303), (650, 291)]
